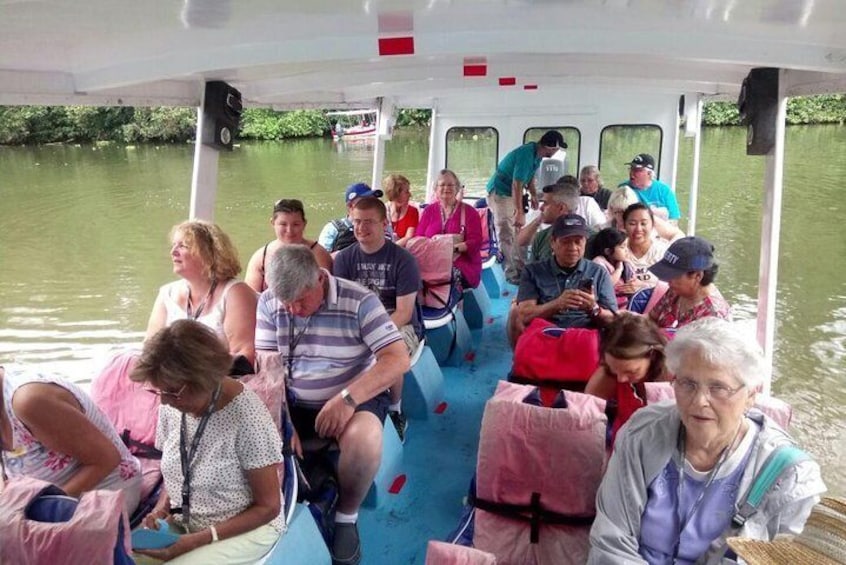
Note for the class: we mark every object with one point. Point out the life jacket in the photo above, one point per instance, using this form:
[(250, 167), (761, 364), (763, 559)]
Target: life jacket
[(537, 476), (345, 237), (134, 413), (443, 553), (40, 525), (434, 259), (555, 358)]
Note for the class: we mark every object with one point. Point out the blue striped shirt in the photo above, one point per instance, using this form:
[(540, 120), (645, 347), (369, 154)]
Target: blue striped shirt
[(338, 341)]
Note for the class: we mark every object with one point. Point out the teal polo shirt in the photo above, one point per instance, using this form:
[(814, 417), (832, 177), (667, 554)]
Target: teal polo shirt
[(520, 164)]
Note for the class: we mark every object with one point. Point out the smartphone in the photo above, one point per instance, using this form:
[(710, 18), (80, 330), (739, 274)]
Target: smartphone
[(586, 285)]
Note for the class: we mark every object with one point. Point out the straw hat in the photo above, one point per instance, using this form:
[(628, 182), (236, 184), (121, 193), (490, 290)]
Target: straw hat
[(822, 542)]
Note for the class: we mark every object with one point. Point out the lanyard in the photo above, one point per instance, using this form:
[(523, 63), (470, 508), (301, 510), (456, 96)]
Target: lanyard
[(187, 454), (293, 341), (188, 306)]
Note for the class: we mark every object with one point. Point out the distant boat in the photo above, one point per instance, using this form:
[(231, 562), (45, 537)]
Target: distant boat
[(351, 125)]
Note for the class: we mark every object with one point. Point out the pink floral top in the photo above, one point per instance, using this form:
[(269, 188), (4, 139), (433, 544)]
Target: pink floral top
[(30, 458), (666, 313)]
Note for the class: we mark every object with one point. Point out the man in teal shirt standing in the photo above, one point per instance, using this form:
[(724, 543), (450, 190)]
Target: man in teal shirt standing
[(515, 172)]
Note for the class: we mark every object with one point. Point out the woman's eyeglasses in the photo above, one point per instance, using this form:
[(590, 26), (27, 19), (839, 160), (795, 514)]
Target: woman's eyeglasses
[(166, 393), (688, 388)]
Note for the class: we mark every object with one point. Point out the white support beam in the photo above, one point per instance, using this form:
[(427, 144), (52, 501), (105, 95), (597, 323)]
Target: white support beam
[(204, 176), (694, 116), (770, 229), (435, 150)]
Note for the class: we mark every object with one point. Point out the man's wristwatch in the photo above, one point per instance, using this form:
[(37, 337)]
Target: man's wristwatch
[(348, 399), (594, 312)]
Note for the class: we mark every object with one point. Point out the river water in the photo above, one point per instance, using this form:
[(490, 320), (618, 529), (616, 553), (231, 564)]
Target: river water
[(84, 248)]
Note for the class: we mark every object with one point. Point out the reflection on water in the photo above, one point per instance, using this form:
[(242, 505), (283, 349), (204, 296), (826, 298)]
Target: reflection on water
[(83, 244)]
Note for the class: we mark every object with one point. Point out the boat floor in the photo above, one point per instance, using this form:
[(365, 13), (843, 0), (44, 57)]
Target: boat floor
[(439, 456)]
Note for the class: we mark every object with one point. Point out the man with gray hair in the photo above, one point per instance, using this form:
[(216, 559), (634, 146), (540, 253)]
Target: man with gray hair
[(557, 200), (342, 352)]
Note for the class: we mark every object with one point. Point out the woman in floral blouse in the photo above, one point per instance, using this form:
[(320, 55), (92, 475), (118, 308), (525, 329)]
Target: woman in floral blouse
[(51, 430)]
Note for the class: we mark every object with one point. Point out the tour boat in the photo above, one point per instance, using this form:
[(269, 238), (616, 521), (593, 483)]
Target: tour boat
[(353, 125), (500, 69)]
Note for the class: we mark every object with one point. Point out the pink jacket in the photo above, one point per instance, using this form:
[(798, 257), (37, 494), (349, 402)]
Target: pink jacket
[(88, 537)]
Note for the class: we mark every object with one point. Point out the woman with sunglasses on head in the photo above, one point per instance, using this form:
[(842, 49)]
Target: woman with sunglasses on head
[(289, 223), (207, 263), (631, 353), (680, 473), (51, 430), (220, 451)]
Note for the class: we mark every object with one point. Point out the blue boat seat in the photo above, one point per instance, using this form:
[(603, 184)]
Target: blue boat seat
[(302, 544), (423, 384), (477, 307)]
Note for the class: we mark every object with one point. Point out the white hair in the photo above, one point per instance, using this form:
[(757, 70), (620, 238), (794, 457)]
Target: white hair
[(721, 344), (292, 270)]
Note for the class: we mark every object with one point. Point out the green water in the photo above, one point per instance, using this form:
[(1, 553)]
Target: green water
[(83, 244)]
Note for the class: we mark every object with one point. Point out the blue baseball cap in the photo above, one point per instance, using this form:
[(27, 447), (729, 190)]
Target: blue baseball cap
[(359, 190), (683, 256)]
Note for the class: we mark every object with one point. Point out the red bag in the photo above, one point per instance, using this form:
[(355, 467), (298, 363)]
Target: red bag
[(548, 354)]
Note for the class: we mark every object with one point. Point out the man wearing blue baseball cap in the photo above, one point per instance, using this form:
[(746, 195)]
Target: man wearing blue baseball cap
[(338, 234)]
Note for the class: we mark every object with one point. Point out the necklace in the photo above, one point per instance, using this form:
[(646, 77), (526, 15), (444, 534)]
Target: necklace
[(202, 305)]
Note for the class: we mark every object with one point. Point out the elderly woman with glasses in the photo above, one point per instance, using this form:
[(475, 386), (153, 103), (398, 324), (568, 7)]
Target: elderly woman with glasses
[(681, 472), (51, 430), (220, 451), (289, 222), (449, 215)]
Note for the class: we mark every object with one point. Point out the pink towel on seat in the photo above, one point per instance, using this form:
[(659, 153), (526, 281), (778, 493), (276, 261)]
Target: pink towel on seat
[(557, 452), (88, 537)]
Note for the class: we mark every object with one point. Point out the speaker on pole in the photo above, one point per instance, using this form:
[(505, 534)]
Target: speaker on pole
[(221, 115), (758, 107)]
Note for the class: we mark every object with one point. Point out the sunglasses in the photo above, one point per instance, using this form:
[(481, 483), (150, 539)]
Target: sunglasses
[(167, 393)]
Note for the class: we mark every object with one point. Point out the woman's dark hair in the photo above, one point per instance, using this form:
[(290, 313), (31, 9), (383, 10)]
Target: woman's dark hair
[(606, 239), (709, 274), (631, 336), (635, 208), (289, 206)]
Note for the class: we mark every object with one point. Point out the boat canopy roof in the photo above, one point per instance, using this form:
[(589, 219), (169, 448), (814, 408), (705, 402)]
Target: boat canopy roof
[(287, 54)]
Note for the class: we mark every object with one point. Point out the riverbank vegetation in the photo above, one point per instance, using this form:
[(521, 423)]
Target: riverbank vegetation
[(83, 124)]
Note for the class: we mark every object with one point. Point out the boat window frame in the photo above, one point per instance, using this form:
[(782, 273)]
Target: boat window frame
[(658, 156), (446, 144), (558, 129)]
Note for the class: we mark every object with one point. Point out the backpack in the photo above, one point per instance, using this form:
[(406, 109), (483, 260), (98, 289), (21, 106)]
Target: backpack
[(318, 489), (345, 237)]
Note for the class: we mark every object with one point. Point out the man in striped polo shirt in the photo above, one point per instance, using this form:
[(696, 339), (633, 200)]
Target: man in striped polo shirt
[(342, 352)]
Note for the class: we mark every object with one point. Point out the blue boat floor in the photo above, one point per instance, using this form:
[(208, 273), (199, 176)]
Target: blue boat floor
[(439, 456)]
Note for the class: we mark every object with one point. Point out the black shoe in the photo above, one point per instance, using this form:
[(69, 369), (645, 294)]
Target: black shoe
[(346, 546), (400, 423)]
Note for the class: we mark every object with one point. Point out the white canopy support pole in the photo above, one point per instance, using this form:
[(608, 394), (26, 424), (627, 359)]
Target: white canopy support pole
[(770, 229), (434, 151), (204, 176), (674, 162), (696, 117), (384, 131)]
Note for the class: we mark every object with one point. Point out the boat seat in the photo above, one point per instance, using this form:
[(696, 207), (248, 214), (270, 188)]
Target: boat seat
[(448, 336), (423, 384), (302, 544), (477, 307)]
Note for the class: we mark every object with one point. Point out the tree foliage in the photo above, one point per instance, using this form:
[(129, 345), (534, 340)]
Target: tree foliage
[(82, 124)]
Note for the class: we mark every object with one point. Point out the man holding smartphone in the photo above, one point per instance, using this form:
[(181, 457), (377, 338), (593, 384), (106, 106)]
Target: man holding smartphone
[(566, 289)]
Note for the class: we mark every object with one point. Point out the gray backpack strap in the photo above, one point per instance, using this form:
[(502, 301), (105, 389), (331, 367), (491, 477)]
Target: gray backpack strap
[(780, 460)]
